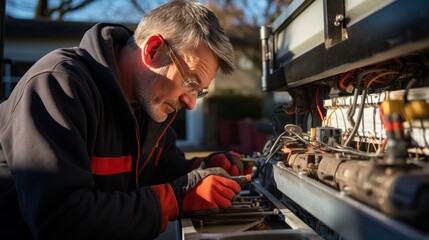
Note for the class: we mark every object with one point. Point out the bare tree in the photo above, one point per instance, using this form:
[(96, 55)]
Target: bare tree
[(44, 11), (249, 12), (232, 13), (275, 8)]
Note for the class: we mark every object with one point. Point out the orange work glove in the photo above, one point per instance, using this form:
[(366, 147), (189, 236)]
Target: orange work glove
[(230, 161), (204, 191)]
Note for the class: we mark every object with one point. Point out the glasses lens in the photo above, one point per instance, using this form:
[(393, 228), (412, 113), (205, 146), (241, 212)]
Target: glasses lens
[(202, 93), (190, 87)]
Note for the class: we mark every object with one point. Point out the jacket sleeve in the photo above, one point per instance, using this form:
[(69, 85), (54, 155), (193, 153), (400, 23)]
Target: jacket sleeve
[(46, 142)]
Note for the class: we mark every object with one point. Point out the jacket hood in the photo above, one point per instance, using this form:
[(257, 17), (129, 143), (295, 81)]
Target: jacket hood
[(100, 42), (98, 49)]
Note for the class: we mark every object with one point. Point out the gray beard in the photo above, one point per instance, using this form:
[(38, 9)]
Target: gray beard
[(146, 95)]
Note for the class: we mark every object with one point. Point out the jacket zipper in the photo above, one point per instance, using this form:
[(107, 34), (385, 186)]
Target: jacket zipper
[(153, 149), (138, 150)]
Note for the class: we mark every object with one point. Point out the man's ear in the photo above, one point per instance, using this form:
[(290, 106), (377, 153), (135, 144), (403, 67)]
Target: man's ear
[(152, 50)]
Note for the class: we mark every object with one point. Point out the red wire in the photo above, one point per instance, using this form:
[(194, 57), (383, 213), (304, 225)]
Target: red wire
[(317, 105), (344, 78), (381, 112)]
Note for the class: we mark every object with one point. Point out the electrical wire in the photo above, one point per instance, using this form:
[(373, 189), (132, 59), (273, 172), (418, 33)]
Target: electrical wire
[(372, 141), (379, 76), (407, 90), (277, 140), (359, 118), (346, 76), (274, 148), (352, 109), (275, 121), (374, 113), (318, 107), (328, 118), (291, 112), (337, 148), (424, 133)]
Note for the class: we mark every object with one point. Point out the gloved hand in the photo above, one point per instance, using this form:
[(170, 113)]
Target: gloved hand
[(230, 161), (204, 191)]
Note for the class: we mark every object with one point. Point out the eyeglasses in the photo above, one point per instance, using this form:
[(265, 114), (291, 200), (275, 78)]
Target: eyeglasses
[(190, 86)]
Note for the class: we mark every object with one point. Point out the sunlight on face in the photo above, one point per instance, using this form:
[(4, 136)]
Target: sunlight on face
[(162, 91), (155, 95)]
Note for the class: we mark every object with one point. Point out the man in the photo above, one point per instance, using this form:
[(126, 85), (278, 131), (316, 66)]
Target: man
[(86, 148)]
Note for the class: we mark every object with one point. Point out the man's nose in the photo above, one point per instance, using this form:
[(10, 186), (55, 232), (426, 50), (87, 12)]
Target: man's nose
[(188, 100)]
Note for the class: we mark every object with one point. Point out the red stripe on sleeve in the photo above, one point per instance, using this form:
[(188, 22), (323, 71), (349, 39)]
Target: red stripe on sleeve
[(111, 165)]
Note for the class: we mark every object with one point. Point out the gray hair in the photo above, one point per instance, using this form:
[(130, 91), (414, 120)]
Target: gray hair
[(187, 23)]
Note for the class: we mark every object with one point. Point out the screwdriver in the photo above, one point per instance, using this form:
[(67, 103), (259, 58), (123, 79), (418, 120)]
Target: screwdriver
[(242, 178)]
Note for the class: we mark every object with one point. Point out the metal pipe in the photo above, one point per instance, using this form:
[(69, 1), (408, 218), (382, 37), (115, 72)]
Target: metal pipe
[(266, 56)]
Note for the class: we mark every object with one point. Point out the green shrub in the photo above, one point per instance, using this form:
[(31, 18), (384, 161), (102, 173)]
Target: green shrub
[(230, 105)]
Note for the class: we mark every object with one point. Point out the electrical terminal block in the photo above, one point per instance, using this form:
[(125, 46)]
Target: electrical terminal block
[(324, 133)]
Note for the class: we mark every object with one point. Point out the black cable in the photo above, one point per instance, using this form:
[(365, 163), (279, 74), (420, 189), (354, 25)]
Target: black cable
[(351, 111), (359, 118), (407, 90), (271, 153), (424, 133), (275, 121)]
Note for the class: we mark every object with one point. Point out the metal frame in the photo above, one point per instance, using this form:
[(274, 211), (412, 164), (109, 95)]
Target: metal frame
[(290, 218), (297, 225), (335, 22), (346, 216), (397, 29)]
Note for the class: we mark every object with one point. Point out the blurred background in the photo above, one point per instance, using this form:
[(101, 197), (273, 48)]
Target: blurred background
[(234, 116)]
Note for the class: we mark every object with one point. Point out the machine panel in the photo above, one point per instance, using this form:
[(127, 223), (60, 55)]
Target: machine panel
[(351, 160)]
